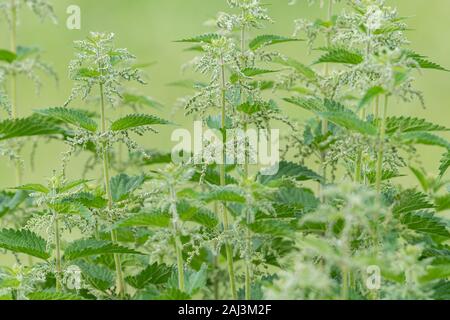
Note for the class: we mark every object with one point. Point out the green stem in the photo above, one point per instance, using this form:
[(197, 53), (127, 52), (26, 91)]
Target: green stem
[(117, 262), (323, 167), (178, 243), (359, 160), (379, 172), (248, 263), (226, 226), (58, 253), (13, 93)]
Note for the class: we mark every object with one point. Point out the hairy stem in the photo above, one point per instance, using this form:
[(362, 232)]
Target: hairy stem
[(359, 160), (323, 167), (176, 235), (13, 93), (379, 172), (117, 262), (58, 252), (226, 225)]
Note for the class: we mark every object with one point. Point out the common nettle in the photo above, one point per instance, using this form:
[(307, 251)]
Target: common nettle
[(215, 225), (20, 61)]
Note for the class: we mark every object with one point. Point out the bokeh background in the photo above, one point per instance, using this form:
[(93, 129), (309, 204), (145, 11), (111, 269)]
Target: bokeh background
[(149, 27)]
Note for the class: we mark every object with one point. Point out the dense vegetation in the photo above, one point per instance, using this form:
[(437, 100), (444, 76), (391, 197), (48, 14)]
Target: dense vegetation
[(333, 222)]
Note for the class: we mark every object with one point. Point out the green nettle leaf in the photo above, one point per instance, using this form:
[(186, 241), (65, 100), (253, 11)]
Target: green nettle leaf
[(442, 203), (99, 277), (256, 106), (26, 127), (288, 170), (299, 67), (140, 100), (273, 227), (74, 117), (445, 163), (24, 241), (425, 222), (153, 274), (123, 185), (227, 193), (34, 187), (250, 72), (387, 174), (174, 294), (370, 95), (424, 138), (52, 295), (409, 124), (267, 40), (90, 247), (340, 55), (423, 61), (411, 200), (295, 199), (196, 280), (135, 121), (7, 56), (9, 201), (196, 214), (147, 219), (204, 38), (350, 122), (311, 104)]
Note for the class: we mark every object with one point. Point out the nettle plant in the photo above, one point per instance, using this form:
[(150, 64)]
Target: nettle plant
[(216, 225), (20, 61), (372, 223)]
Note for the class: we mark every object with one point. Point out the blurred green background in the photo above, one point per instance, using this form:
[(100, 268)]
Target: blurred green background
[(148, 27)]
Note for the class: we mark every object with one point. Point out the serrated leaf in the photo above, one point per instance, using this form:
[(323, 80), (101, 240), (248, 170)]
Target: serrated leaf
[(52, 295), (97, 276), (423, 61), (340, 55), (424, 138), (289, 170), (204, 38), (445, 163), (256, 106), (409, 124), (311, 104), (273, 227), (24, 241), (302, 69), (89, 247), (196, 280), (411, 200), (140, 101), (196, 214), (442, 203), (350, 122), (70, 116), (227, 193), (425, 222), (250, 72), (268, 40), (34, 187), (145, 219), (173, 294), (153, 274), (136, 120), (7, 56), (295, 199), (123, 185), (26, 127)]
